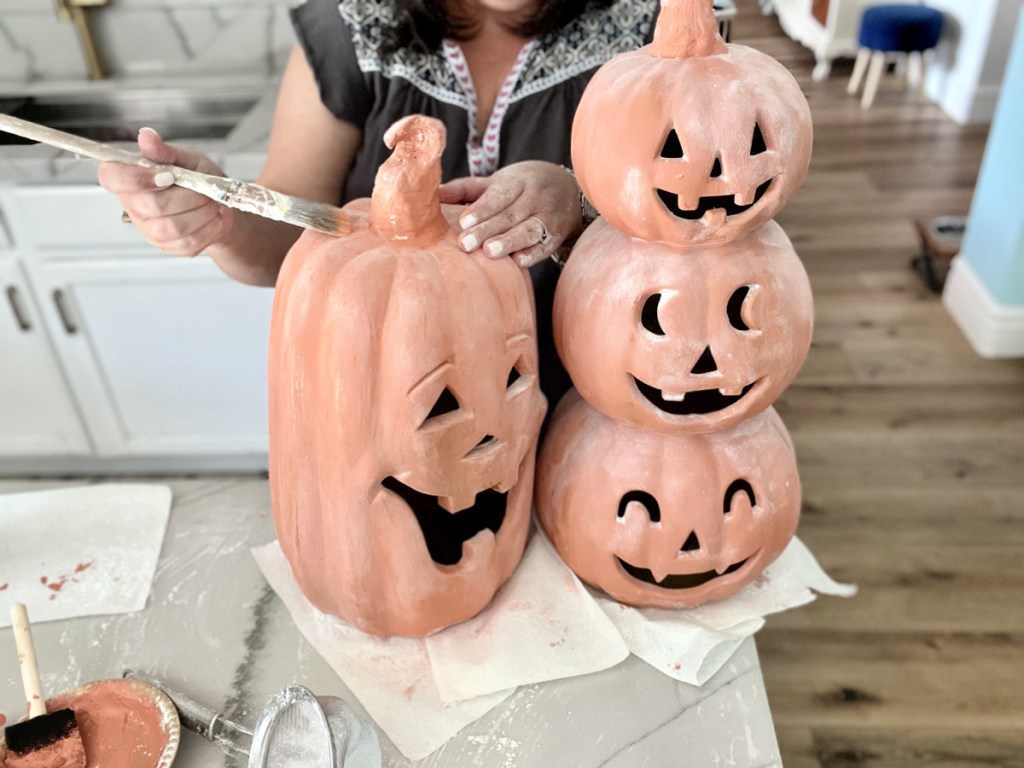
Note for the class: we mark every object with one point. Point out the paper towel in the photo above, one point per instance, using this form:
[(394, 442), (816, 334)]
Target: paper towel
[(543, 625), (82, 551), (692, 645)]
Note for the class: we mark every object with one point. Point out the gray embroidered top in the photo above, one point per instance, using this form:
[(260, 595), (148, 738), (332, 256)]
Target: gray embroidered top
[(531, 119)]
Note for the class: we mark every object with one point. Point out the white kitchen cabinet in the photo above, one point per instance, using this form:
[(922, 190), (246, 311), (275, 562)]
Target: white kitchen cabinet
[(167, 355), (115, 357), (37, 415)]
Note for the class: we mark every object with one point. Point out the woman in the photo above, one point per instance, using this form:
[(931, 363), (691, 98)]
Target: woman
[(504, 76)]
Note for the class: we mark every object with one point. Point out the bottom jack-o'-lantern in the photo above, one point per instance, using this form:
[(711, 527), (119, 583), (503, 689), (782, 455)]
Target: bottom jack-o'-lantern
[(404, 407), (667, 520)]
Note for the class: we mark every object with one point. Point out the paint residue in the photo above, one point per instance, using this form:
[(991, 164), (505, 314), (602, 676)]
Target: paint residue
[(4, 586), (56, 585)]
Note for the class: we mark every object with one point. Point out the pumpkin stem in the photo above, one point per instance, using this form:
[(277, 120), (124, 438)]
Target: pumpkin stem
[(406, 205), (687, 29)]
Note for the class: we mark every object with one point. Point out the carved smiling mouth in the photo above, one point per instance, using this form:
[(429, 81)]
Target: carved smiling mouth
[(697, 403), (445, 532), (678, 580), (705, 204)]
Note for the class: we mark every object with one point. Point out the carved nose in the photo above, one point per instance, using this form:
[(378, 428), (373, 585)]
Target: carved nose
[(706, 363), (692, 543), (716, 169)]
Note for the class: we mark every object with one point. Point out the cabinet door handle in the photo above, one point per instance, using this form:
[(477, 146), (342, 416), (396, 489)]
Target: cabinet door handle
[(65, 315), (14, 299)]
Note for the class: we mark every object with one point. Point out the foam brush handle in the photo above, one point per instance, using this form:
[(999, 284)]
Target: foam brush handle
[(27, 661), (199, 718)]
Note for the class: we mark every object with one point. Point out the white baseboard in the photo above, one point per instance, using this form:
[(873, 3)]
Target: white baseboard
[(992, 329)]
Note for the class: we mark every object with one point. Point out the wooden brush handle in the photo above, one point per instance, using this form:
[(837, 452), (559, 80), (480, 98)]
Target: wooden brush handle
[(27, 661)]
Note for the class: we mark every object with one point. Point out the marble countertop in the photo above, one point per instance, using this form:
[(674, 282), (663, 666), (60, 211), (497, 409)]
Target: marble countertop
[(240, 153), (214, 629)]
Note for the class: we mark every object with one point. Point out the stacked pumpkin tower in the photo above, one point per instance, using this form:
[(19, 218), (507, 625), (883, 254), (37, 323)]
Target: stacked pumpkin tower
[(666, 478)]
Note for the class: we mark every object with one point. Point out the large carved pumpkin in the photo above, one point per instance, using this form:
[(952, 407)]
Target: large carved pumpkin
[(404, 407), (691, 140), (666, 520), (675, 340)]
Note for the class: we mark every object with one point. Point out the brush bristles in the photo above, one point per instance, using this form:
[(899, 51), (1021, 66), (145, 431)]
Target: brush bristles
[(40, 732), (321, 217)]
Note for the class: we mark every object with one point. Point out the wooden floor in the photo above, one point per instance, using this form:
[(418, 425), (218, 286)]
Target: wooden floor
[(911, 452)]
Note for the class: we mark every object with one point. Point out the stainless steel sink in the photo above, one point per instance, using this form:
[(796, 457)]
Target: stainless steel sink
[(118, 115)]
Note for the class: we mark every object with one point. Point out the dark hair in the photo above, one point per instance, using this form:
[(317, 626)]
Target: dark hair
[(424, 23)]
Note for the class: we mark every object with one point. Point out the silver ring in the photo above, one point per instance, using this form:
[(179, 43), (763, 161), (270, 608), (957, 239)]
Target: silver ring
[(545, 236)]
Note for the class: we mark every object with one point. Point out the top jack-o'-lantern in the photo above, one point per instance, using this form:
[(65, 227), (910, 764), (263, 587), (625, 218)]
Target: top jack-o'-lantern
[(404, 407), (690, 139)]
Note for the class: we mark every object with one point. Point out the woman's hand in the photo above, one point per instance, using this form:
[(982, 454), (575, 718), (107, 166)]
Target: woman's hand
[(174, 219), (526, 210)]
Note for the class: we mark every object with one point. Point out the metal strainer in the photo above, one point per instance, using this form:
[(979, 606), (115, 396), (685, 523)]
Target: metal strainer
[(295, 730)]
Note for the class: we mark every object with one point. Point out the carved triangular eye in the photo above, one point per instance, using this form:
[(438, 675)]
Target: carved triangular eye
[(672, 149), (649, 315), (446, 403), (513, 376), (757, 144), (738, 486)]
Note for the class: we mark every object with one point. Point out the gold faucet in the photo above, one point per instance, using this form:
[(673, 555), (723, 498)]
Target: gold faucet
[(74, 11)]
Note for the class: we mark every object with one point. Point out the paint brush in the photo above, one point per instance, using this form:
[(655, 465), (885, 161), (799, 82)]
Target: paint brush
[(241, 195), (46, 738)]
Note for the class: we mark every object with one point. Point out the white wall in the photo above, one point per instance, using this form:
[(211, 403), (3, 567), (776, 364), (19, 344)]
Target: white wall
[(971, 58)]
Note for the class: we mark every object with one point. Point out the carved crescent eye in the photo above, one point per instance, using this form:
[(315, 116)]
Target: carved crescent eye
[(645, 499), (735, 308), (649, 315), (738, 486)]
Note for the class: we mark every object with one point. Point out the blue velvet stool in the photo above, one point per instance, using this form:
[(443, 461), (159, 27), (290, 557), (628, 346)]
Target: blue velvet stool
[(909, 31)]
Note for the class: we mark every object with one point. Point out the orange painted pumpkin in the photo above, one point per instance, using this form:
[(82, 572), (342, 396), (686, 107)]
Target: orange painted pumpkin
[(404, 407), (672, 340), (666, 520), (690, 140)]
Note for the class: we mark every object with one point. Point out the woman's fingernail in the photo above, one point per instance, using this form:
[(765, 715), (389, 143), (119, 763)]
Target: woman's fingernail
[(469, 243), (163, 179), (495, 248), (467, 221), (148, 130)]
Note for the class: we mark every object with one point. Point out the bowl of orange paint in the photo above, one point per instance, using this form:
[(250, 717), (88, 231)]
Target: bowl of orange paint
[(124, 723)]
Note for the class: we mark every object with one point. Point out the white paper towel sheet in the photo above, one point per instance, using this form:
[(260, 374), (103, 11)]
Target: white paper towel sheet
[(692, 645), (84, 551), (543, 625)]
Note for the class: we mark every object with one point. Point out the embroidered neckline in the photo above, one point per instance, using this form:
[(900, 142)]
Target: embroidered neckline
[(482, 150)]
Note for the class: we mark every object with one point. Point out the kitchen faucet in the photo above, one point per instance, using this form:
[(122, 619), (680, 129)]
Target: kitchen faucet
[(75, 12)]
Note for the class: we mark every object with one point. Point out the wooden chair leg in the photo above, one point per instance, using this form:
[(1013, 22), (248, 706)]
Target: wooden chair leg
[(874, 75), (915, 73), (861, 64)]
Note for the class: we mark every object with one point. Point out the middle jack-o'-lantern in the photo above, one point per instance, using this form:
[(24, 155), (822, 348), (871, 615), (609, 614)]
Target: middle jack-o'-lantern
[(693, 340), (666, 520), (404, 407), (690, 140)]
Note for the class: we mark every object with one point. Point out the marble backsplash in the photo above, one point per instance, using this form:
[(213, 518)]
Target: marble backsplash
[(146, 39)]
